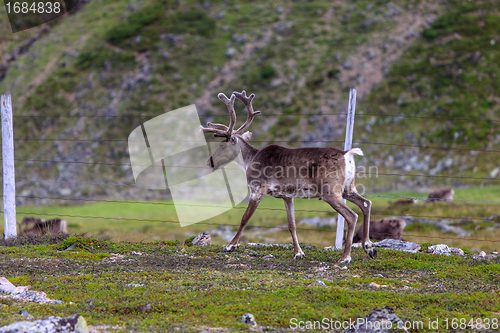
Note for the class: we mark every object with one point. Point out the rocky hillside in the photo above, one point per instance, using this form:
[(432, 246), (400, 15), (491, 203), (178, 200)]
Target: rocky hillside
[(111, 65)]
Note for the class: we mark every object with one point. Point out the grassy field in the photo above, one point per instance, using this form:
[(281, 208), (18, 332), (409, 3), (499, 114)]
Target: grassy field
[(192, 289), (154, 221)]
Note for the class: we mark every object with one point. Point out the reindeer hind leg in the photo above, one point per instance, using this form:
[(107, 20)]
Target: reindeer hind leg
[(365, 206), (351, 217)]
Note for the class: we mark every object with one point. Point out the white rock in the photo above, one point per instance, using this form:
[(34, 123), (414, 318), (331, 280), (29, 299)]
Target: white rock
[(457, 251), (439, 249), (394, 244), (230, 52)]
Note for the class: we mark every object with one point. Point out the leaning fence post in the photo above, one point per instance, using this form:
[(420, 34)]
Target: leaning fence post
[(347, 146), (9, 183)]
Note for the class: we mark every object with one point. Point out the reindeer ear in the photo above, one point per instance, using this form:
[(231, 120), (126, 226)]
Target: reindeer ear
[(247, 135), (234, 139)]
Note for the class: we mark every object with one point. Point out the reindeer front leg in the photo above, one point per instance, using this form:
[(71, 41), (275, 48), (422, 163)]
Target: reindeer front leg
[(252, 206), (290, 212)]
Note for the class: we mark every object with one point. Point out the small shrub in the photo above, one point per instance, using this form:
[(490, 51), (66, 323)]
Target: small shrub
[(189, 241), (81, 242), (136, 21), (194, 21), (429, 34), (267, 72)]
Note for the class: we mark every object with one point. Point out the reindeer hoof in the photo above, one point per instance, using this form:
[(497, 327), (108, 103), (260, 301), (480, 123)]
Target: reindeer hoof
[(299, 255), (372, 253), (347, 260), (371, 250), (230, 248)]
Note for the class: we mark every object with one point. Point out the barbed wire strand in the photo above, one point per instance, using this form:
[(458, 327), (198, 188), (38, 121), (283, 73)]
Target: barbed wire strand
[(193, 167), (229, 207), (270, 140), (164, 187), (261, 115)]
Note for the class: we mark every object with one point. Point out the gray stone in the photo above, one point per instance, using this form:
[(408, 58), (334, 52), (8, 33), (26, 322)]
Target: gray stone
[(439, 249), (64, 191), (230, 52), (202, 239), (248, 319), (457, 251), (220, 15), (23, 294), (371, 54), (399, 245), (381, 320), (177, 77), (444, 226), (74, 324), (26, 314), (347, 64), (320, 283)]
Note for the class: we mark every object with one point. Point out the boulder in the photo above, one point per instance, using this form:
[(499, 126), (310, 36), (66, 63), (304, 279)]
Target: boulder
[(381, 320), (23, 293), (202, 239), (394, 244), (248, 319), (439, 249), (74, 324)]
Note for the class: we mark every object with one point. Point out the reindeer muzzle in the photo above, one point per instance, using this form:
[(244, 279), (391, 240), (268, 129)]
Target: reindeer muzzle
[(210, 163)]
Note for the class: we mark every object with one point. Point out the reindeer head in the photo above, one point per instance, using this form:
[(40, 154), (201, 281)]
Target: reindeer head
[(229, 148)]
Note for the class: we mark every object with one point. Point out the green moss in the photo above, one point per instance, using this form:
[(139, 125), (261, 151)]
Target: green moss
[(160, 289), (189, 241)]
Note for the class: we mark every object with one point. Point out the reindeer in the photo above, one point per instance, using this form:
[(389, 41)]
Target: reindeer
[(387, 228), (41, 227), (441, 194), (324, 173), (404, 202)]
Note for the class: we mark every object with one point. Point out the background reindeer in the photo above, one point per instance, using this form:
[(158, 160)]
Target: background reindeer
[(41, 227), (387, 228), (324, 173), (442, 194)]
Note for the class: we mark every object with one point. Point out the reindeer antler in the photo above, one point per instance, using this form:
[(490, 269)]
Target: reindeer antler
[(220, 129), (227, 131), (247, 100)]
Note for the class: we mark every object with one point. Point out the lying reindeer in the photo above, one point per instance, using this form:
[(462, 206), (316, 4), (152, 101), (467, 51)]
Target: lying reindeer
[(442, 194), (41, 227), (387, 228), (324, 173), (404, 202)]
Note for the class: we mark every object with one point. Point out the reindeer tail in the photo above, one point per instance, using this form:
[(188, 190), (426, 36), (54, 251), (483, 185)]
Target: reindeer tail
[(355, 151)]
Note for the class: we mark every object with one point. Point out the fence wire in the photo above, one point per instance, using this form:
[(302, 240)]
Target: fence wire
[(478, 120)]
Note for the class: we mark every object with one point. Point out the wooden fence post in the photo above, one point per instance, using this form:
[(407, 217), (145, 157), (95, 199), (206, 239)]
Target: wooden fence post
[(9, 183), (348, 145)]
